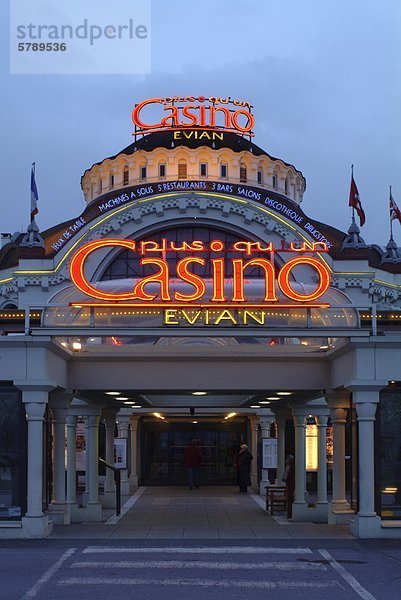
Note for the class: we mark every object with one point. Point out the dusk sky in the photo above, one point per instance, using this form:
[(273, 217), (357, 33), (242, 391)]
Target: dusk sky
[(324, 78)]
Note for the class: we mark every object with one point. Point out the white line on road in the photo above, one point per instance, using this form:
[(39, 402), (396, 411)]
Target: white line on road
[(49, 573), (125, 508), (197, 550), (350, 579), (199, 564), (227, 583)]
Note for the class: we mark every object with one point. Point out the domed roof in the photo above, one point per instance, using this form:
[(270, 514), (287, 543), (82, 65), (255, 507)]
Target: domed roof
[(195, 138)]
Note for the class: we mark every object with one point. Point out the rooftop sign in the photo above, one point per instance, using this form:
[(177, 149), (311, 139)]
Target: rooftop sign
[(190, 112)]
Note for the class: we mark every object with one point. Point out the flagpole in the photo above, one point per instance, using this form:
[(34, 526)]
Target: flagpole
[(391, 220), (353, 207)]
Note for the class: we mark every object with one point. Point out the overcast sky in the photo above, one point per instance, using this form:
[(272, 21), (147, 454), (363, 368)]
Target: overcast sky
[(324, 78)]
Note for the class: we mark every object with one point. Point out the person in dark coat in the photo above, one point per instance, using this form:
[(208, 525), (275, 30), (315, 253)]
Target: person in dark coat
[(244, 468), (192, 461), (289, 478)]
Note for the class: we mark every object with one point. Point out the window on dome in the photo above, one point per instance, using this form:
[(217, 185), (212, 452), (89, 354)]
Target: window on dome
[(242, 173), (203, 169), (143, 172), (126, 264), (274, 181), (260, 176), (100, 185), (286, 186), (111, 180), (223, 171), (125, 177), (182, 170), (162, 170)]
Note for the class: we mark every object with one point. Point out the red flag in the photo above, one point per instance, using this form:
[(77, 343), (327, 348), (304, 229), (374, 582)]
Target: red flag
[(395, 212), (355, 202)]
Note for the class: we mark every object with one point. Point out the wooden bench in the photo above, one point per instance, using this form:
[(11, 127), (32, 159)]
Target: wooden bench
[(275, 498)]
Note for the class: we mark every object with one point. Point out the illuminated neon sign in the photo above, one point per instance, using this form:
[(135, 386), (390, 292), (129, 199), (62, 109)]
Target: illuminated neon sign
[(154, 254), (189, 112)]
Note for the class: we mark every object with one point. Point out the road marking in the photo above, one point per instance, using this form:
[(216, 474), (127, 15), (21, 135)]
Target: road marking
[(199, 564), (125, 508), (197, 550), (48, 574), (227, 583), (350, 579)]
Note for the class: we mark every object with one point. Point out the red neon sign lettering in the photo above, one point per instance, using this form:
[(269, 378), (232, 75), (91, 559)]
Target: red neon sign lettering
[(186, 275)]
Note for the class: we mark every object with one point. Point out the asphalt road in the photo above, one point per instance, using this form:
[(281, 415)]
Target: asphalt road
[(203, 569)]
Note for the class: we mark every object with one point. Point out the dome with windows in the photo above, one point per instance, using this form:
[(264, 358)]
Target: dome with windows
[(192, 155)]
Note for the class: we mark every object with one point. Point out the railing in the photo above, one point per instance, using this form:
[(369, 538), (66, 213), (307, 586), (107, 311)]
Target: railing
[(117, 479), (62, 319)]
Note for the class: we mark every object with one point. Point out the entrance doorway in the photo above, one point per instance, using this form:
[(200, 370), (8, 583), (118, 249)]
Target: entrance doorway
[(163, 445)]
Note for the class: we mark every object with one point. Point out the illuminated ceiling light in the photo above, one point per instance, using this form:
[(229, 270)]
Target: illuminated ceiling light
[(324, 347), (65, 345), (159, 416), (254, 406), (392, 381), (136, 406), (194, 422), (230, 415), (304, 343), (264, 402), (199, 393), (272, 398), (113, 393), (122, 398), (284, 393), (76, 346), (130, 402)]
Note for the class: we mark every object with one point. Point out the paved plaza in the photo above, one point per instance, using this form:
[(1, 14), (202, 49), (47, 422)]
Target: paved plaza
[(204, 513)]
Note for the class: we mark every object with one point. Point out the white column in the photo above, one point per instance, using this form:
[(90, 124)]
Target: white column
[(85, 494), (59, 416), (339, 420), (366, 398), (366, 412), (35, 397), (134, 451), (110, 422), (254, 424), (300, 462), (71, 459), (93, 458), (35, 411), (321, 422), (280, 422), (123, 426), (266, 420)]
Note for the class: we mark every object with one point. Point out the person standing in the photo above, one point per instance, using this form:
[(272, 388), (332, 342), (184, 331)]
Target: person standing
[(244, 468), (289, 478), (192, 461)]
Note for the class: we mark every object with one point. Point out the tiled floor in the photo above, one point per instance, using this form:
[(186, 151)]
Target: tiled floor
[(205, 513)]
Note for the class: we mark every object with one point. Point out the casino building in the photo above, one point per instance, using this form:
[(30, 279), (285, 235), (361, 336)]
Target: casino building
[(194, 297)]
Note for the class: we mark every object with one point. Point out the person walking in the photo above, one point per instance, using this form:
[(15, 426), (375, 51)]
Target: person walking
[(289, 478), (244, 468), (192, 461)]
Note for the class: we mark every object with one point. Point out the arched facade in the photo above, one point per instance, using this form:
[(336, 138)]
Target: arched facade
[(268, 356)]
